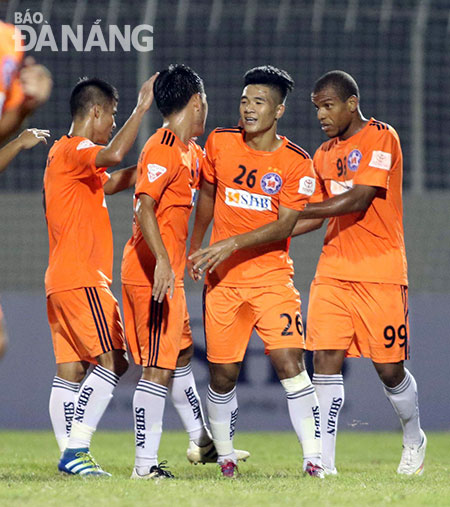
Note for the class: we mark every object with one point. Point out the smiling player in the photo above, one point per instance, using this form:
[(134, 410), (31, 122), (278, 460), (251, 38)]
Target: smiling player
[(255, 183)]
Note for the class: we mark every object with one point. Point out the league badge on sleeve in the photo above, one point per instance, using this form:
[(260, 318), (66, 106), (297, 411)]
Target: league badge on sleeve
[(271, 183), (154, 171), (307, 185), (353, 160)]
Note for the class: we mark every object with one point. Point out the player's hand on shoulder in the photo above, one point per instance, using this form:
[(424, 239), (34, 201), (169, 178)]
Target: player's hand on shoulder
[(207, 259), (164, 280), (145, 97), (36, 82), (31, 137)]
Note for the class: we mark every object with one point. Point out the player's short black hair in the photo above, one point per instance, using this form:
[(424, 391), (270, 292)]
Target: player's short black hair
[(343, 84), (174, 88), (89, 92), (270, 76)]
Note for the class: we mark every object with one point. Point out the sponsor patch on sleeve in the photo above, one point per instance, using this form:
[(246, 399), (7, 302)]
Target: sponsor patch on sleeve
[(381, 160), (307, 185), (86, 143), (155, 171)]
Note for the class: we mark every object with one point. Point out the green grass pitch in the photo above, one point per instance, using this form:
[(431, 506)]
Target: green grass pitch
[(271, 477)]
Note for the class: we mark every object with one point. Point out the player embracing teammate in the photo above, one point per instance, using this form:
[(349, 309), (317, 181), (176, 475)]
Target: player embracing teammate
[(255, 184), (359, 297)]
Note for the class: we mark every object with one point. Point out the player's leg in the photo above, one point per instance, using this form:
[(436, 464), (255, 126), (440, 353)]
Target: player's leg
[(329, 384), (184, 395), (70, 371), (154, 337), (185, 398), (228, 325), (280, 326), (63, 398), (385, 315), (329, 334), (222, 406), (148, 411), (92, 326)]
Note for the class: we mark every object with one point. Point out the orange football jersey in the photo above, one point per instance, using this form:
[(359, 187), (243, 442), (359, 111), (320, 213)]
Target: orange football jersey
[(11, 94), (168, 171), (79, 229), (251, 185), (368, 246)]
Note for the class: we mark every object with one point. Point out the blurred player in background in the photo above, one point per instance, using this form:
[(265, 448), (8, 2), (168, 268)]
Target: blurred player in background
[(359, 297), (255, 183), (83, 314), (24, 85), (22, 90), (155, 312)]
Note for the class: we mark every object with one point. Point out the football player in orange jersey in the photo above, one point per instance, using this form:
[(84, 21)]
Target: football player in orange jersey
[(83, 314), (255, 183), (358, 302), (156, 318), (22, 90), (24, 85)]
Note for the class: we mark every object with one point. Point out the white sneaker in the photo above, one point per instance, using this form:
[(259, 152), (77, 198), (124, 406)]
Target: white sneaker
[(156, 472), (208, 454), (314, 470), (413, 458), (330, 471)]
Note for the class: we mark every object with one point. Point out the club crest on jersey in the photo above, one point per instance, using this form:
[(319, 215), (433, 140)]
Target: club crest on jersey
[(243, 199), (354, 159), (154, 171), (271, 183)]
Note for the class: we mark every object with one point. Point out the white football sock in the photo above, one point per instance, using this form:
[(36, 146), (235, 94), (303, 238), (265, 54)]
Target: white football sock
[(186, 400), (148, 410), (95, 395), (62, 402), (404, 399), (330, 392), (304, 412), (222, 414)]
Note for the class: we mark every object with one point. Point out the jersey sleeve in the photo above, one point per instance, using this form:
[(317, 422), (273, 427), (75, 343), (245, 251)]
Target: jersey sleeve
[(82, 156), (105, 178), (157, 170), (208, 163), (320, 192), (298, 185), (377, 160)]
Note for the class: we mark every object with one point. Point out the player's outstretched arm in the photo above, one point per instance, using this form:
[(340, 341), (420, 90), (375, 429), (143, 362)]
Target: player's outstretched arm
[(203, 217), (122, 142), (164, 277), (120, 180), (355, 200), (209, 258), (26, 140)]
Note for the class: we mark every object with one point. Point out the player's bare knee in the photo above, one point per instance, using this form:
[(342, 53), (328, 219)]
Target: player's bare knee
[(223, 377), (115, 361), (160, 376), (72, 372), (185, 356), (328, 362), (288, 363), (391, 374)]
